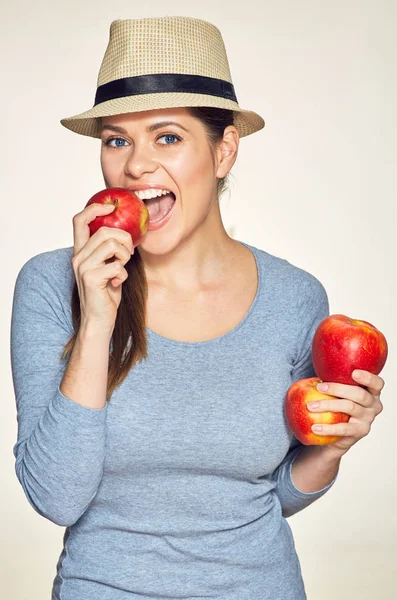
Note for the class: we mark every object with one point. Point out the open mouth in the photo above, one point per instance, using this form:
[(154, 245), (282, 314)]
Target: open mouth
[(159, 209)]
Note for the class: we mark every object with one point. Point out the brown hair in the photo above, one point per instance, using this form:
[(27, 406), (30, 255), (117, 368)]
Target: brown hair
[(129, 340)]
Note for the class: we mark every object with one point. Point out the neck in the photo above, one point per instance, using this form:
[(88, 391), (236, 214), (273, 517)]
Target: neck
[(202, 260)]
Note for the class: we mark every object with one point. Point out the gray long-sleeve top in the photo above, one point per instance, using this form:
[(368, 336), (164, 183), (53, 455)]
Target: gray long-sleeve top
[(181, 485)]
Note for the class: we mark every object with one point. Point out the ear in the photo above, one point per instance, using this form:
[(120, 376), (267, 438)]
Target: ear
[(227, 151)]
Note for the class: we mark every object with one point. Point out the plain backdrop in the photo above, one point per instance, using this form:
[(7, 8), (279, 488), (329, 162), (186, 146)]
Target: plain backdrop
[(316, 186)]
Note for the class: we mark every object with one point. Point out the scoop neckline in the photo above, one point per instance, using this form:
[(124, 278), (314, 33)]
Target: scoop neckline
[(232, 331)]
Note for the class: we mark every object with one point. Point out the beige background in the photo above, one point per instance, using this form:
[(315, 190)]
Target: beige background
[(316, 186)]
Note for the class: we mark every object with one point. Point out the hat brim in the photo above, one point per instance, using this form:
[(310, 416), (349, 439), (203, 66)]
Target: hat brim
[(88, 123)]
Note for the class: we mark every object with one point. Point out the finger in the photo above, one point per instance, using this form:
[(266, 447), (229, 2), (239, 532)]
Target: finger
[(372, 382), (340, 405), (379, 407), (81, 230), (351, 392), (356, 430), (100, 237), (101, 277), (119, 278), (108, 252)]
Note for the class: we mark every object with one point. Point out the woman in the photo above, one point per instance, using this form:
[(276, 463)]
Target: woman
[(150, 381)]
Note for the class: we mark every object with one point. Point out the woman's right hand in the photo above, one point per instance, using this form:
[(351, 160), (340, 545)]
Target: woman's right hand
[(98, 263)]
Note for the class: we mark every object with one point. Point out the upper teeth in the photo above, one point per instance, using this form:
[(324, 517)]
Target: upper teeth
[(150, 193)]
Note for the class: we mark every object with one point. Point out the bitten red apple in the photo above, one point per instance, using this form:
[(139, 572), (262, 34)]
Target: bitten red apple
[(300, 419), (342, 344), (130, 213)]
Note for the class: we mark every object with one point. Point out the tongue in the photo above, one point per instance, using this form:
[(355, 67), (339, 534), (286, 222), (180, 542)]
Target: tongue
[(159, 207)]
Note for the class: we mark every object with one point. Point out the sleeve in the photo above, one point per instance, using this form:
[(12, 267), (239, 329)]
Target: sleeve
[(60, 444), (313, 309)]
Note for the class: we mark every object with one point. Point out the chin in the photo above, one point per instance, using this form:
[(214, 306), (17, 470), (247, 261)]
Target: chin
[(162, 241), (157, 247), (172, 234)]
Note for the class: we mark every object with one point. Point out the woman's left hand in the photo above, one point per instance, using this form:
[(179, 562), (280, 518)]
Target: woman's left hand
[(361, 403)]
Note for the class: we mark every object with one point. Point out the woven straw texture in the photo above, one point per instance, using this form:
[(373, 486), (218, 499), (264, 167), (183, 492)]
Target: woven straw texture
[(180, 45)]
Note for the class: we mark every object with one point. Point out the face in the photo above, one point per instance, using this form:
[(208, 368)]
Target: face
[(179, 159)]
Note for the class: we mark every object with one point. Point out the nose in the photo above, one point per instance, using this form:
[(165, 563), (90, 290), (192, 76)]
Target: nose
[(139, 161)]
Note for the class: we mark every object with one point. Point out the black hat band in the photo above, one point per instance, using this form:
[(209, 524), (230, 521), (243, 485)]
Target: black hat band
[(164, 82)]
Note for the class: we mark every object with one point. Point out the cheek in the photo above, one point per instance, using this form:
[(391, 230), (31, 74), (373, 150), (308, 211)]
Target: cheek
[(196, 174), (110, 168), (104, 164)]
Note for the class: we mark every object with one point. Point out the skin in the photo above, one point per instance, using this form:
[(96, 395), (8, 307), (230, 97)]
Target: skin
[(193, 252), (362, 402)]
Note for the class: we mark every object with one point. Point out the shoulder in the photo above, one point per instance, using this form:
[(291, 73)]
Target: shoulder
[(48, 262), (50, 272), (288, 282), (43, 289)]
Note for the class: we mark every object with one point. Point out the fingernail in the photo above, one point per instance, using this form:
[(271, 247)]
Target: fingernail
[(357, 374), (313, 404), (322, 387), (317, 427)]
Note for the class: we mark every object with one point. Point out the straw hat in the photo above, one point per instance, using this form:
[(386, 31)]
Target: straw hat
[(163, 62)]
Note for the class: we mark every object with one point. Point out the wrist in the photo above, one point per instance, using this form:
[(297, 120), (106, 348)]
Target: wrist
[(314, 468), (331, 454), (94, 330)]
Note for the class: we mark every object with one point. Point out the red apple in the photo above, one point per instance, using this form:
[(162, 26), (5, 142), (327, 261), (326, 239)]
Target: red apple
[(300, 418), (130, 213), (341, 345)]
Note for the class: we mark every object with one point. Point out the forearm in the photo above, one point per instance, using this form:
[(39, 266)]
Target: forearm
[(60, 464), (85, 378), (314, 468)]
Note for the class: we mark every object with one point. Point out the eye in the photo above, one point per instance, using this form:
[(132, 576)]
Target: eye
[(116, 139), (169, 135), (119, 141)]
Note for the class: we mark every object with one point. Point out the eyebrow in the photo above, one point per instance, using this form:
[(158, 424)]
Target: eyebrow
[(150, 128)]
